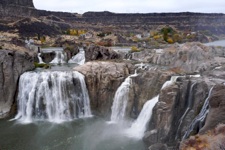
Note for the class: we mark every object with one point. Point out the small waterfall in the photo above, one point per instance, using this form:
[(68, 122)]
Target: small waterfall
[(138, 128), (59, 58), (190, 105), (121, 99), (54, 96), (40, 59), (78, 58), (170, 82), (200, 118)]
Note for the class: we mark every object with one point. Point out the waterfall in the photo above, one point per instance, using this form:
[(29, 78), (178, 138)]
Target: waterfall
[(40, 59), (53, 96), (190, 103), (200, 118), (59, 58), (170, 82), (121, 99), (78, 58), (138, 128)]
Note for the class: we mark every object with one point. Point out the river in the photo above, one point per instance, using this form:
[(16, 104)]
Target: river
[(216, 43), (81, 134)]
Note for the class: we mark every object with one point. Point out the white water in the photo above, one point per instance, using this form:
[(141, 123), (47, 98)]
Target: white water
[(199, 119), (170, 82), (189, 106), (40, 59), (121, 99), (138, 127), (53, 96), (59, 58), (78, 58)]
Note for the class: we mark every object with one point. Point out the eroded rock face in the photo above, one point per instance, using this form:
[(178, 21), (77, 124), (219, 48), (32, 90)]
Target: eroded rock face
[(26, 3), (187, 58), (177, 107), (100, 53), (216, 113), (144, 87), (103, 79), (12, 65)]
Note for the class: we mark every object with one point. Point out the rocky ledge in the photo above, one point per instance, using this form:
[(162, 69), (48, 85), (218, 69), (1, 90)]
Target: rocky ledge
[(12, 65)]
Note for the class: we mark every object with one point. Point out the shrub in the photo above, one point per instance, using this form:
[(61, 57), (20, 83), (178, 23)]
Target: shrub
[(135, 49), (37, 65), (170, 41)]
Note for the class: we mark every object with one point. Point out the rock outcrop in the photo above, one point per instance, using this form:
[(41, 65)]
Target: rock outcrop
[(103, 79), (24, 3), (185, 58), (12, 65), (177, 107), (100, 53), (216, 113)]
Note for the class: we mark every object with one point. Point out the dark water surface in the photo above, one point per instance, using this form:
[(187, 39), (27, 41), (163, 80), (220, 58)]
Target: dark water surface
[(80, 134)]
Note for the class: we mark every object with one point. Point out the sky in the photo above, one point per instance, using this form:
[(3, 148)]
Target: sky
[(132, 6)]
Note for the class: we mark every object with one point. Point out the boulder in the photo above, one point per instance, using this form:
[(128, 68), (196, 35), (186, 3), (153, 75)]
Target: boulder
[(100, 53), (12, 65)]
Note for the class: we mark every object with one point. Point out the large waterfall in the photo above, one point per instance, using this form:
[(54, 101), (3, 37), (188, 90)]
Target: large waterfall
[(121, 99), (53, 96)]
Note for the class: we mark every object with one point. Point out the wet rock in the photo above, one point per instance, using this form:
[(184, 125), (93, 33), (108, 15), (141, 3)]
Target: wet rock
[(158, 146), (103, 79), (216, 113), (144, 87), (100, 53), (177, 107), (12, 65)]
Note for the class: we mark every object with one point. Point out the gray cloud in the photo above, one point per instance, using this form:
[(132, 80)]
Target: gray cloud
[(133, 6)]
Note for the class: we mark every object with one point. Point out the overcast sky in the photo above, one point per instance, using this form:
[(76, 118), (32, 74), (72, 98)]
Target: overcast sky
[(132, 6)]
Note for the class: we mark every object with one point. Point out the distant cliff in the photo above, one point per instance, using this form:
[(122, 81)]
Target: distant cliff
[(25, 3), (186, 21)]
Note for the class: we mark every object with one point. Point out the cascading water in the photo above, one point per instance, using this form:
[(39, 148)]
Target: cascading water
[(40, 59), (189, 106), (59, 58), (200, 118), (121, 99), (53, 96), (138, 128), (78, 58)]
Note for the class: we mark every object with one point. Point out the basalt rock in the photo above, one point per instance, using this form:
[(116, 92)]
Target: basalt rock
[(177, 107), (100, 53), (25, 3), (12, 65), (103, 79), (144, 87), (216, 113), (187, 58)]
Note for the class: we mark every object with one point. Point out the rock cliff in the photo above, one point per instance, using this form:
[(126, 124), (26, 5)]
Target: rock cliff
[(12, 65), (24, 3)]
